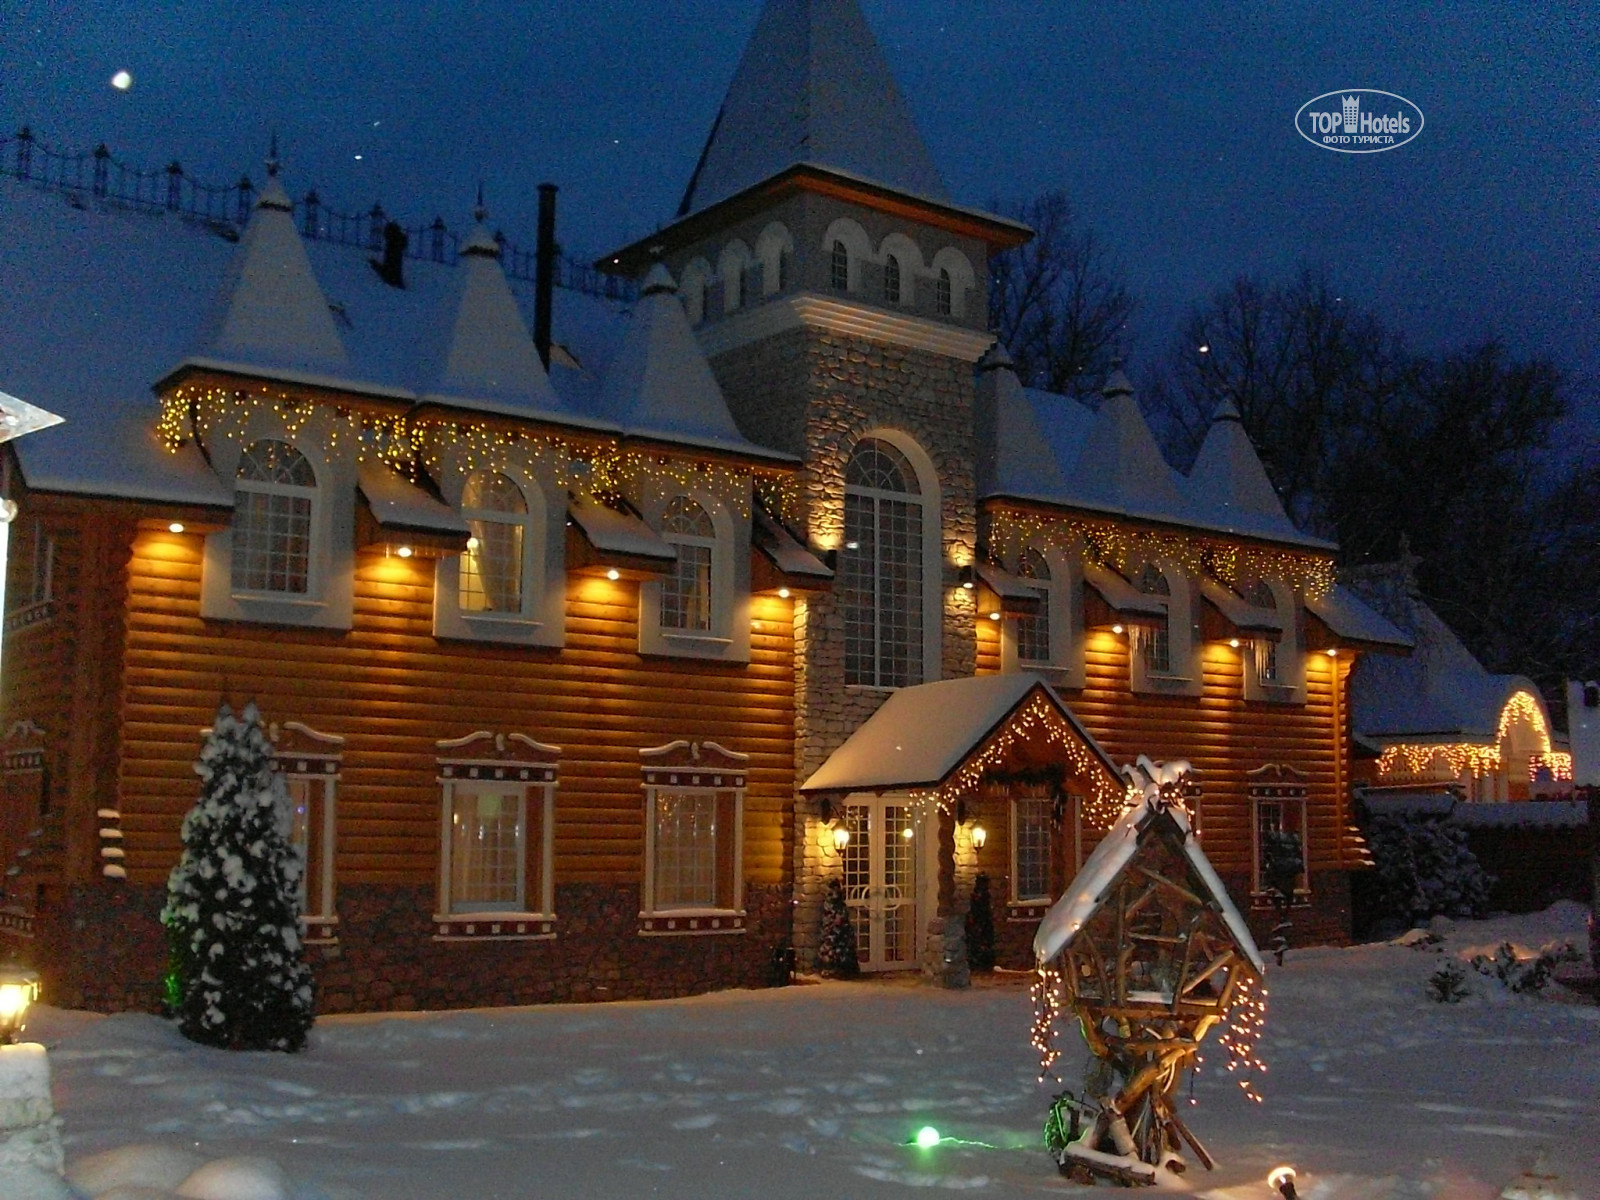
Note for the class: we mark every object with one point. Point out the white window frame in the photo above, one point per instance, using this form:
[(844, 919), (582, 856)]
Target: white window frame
[(929, 498), (1288, 801), (329, 599), (1183, 674), (728, 639), (533, 783), (541, 621), (1070, 826), (717, 783), (1062, 607), (316, 898), (1290, 686)]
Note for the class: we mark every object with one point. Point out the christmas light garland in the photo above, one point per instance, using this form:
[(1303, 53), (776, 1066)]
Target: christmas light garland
[(1045, 992), (1120, 546), (599, 465), (1477, 758), (1247, 1018)]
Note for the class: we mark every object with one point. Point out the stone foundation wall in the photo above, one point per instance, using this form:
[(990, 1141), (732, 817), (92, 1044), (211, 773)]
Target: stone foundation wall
[(106, 951)]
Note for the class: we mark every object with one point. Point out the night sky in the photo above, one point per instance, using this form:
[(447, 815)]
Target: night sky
[(1170, 127)]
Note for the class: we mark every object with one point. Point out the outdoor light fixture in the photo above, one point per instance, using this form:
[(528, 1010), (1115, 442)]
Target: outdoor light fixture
[(1234, 642), (404, 552), (994, 616), (841, 838), (967, 577), (1281, 1179), (1332, 653), (1116, 629), (980, 835), (175, 527), (472, 542), (613, 574), (783, 593), (18, 989)]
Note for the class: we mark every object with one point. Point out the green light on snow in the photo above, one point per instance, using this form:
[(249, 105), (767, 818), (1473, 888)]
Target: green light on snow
[(927, 1137)]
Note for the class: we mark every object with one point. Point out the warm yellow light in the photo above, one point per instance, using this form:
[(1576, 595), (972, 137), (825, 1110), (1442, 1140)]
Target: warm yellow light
[(613, 574), (404, 552), (841, 837), (1281, 1179), (472, 543), (18, 989), (980, 835), (966, 585), (994, 616), (1116, 629), (1332, 653), (175, 527), (783, 593), (1234, 642), (908, 833)]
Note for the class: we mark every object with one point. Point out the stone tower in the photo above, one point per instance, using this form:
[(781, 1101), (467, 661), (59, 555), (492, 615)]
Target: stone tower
[(841, 298)]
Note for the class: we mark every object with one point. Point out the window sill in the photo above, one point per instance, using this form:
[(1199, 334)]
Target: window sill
[(1027, 912), (691, 922), (493, 927), (288, 599), (695, 639), (875, 689), (508, 621)]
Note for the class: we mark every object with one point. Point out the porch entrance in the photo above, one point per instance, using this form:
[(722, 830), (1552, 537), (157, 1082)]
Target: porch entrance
[(880, 880)]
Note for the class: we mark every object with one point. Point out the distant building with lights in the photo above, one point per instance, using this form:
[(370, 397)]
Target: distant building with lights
[(590, 658)]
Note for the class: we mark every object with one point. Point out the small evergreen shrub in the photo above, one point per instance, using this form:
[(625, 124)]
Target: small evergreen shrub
[(1424, 868), (836, 952), (1525, 975), (1448, 985), (980, 926), (238, 977)]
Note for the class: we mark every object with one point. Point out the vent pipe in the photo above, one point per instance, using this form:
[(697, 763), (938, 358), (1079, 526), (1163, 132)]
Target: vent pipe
[(544, 272)]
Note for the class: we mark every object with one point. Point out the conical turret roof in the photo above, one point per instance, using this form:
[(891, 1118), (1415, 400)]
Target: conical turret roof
[(1120, 467), (1014, 457), (813, 87), (1229, 485)]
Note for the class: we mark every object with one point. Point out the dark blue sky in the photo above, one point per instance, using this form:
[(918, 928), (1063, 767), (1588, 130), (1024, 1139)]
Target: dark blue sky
[(1171, 128)]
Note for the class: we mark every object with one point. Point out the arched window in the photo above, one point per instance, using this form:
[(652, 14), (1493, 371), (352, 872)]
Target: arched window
[(1157, 642), (1260, 594), (839, 267), (491, 570), (943, 294), (880, 578), (686, 593), (891, 280), (276, 493), (1033, 630)]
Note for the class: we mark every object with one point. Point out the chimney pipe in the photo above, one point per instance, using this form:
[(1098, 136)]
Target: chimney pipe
[(544, 272)]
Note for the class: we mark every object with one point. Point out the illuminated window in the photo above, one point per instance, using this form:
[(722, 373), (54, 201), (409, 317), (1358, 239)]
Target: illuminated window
[(686, 597), (880, 576), (1033, 629), (311, 824), (492, 568), (497, 818), (891, 280), (694, 832), (1155, 642), (276, 492), (943, 293), (839, 268), (1279, 848)]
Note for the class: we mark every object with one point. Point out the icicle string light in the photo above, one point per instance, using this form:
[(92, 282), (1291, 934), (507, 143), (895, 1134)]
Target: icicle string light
[(598, 465), (1477, 758), (1247, 1018), (1046, 995), (1120, 546)]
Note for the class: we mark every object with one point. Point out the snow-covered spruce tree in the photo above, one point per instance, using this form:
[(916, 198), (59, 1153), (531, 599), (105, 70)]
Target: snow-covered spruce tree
[(238, 975), (836, 951)]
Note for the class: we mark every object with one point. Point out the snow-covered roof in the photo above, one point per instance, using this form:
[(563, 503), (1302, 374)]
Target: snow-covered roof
[(1228, 487), (1440, 692), (1121, 595), (784, 549), (813, 87), (618, 532), (400, 504), (1239, 611), (659, 383), (1093, 882), (1119, 468), (922, 734), (1014, 459)]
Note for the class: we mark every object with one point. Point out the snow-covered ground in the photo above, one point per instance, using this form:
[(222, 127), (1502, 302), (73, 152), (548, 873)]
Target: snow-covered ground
[(1373, 1091)]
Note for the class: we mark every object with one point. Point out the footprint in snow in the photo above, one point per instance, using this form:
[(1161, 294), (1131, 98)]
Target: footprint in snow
[(703, 1121)]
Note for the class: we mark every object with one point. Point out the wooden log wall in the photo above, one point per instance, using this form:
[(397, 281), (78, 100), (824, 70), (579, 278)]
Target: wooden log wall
[(392, 691), (1224, 736)]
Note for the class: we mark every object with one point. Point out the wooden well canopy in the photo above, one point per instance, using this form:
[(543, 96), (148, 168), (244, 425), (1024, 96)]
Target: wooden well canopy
[(1150, 954)]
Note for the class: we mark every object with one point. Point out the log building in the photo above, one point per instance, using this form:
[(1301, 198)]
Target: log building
[(590, 659)]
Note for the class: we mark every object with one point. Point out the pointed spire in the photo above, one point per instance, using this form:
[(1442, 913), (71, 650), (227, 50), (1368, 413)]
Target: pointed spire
[(1014, 457), (1120, 467), (659, 382), (1228, 483), (272, 195), (813, 87), (488, 357), (1117, 384)]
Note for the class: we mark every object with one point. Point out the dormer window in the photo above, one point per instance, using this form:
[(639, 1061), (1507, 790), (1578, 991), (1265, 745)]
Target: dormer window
[(492, 567), (1033, 629), (891, 280), (686, 593), (943, 297), (1265, 649), (839, 268), (1156, 641), (276, 494)]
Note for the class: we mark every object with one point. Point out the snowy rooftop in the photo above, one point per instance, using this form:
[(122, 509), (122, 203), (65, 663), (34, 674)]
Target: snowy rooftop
[(118, 300), (923, 733), (813, 87), (1438, 693)]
